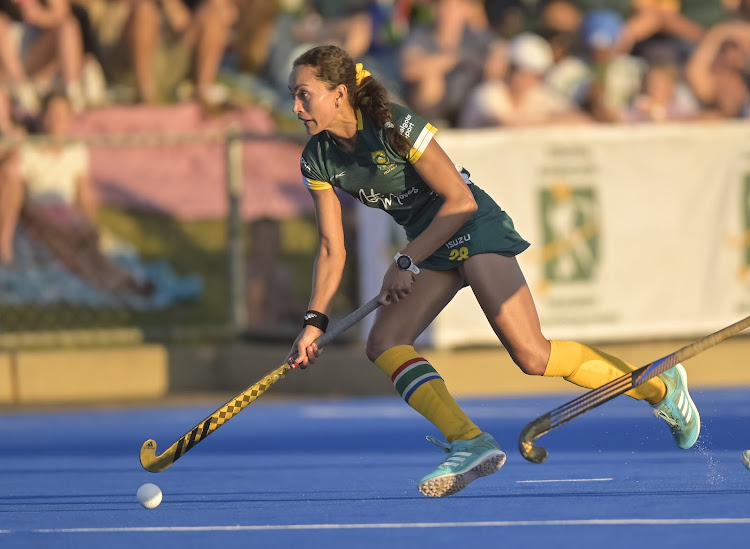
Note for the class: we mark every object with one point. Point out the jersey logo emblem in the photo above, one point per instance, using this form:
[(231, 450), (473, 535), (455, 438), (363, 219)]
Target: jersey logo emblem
[(381, 159), (383, 163)]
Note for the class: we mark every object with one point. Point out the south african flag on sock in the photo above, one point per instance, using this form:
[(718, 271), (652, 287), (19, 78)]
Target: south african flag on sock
[(411, 375)]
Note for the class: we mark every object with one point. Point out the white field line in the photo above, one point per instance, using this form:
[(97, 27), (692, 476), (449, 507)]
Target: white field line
[(395, 525), (565, 480), (350, 413)]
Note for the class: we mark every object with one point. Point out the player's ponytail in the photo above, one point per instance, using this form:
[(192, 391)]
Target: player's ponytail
[(334, 66), (371, 97)]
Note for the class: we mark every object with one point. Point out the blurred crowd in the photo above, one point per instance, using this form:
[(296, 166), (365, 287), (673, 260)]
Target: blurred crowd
[(460, 63)]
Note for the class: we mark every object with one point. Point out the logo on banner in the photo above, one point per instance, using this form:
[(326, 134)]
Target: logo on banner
[(571, 233)]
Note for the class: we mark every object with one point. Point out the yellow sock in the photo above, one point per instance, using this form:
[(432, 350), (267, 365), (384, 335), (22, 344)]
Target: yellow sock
[(423, 389), (592, 368)]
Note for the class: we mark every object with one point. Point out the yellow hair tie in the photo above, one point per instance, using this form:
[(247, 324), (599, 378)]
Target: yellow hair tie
[(361, 73)]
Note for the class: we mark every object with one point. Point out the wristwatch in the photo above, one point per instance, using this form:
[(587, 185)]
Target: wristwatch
[(405, 264)]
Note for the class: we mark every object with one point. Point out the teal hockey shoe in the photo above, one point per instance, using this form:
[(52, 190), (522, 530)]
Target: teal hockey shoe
[(678, 409), (469, 459)]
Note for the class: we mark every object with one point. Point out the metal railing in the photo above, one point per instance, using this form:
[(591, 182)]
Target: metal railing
[(60, 322)]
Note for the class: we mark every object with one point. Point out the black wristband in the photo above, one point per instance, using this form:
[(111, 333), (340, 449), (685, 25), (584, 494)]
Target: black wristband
[(317, 319)]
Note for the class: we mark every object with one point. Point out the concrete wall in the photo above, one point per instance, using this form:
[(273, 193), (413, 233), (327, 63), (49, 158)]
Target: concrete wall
[(150, 372), (344, 369), (6, 379), (87, 375)]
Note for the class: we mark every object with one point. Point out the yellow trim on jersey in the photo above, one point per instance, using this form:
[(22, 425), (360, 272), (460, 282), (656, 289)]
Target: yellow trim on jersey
[(424, 138), (314, 185)]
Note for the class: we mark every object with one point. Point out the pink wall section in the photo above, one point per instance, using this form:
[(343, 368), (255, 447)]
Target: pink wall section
[(188, 181)]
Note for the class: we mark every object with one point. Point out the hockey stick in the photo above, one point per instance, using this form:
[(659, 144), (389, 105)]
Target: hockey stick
[(156, 464), (588, 401)]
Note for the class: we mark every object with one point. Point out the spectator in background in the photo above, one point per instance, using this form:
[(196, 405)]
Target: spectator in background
[(39, 41), (479, 109), (269, 290), (391, 21), (184, 28), (657, 32), (390, 26), (343, 23), (441, 63), (665, 97), (51, 191), (10, 198), (525, 100), (616, 78), (560, 25), (303, 24), (507, 18), (93, 79), (9, 128), (254, 32), (719, 69), (739, 10)]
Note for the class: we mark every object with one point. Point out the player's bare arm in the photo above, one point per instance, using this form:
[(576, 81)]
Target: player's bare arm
[(329, 267), (440, 174)]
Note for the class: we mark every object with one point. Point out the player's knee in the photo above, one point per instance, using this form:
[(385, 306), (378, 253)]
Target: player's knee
[(374, 348), (530, 363), (378, 343)]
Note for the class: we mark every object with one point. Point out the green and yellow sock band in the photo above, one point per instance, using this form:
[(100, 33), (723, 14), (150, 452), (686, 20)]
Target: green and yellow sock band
[(411, 375)]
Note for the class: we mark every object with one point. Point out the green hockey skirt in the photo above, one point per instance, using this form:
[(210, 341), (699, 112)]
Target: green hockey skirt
[(490, 230)]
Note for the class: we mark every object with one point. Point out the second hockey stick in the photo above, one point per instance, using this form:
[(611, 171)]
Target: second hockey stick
[(588, 401)]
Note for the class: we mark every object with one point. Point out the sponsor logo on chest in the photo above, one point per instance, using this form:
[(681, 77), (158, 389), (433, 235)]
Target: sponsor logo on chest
[(386, 200)]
